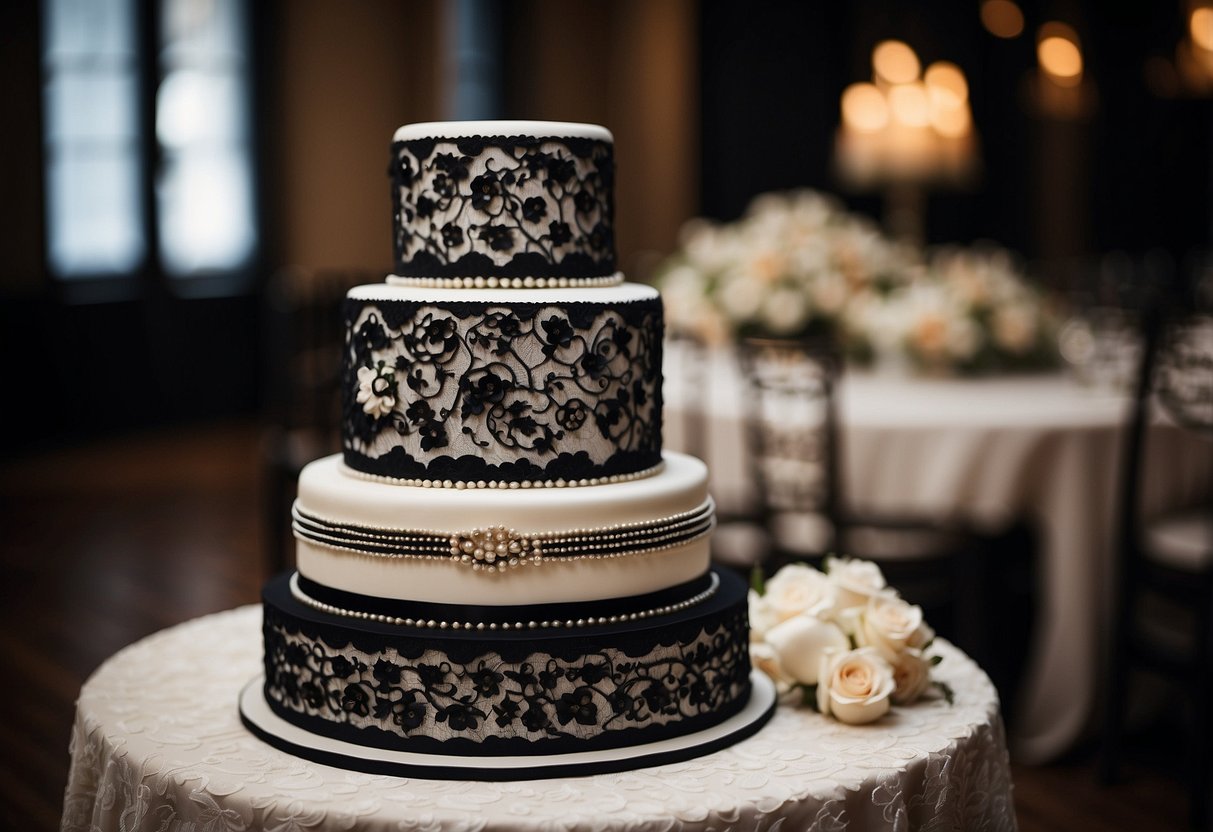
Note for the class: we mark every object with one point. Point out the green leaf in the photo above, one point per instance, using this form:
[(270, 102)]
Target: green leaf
[(936, 660), (808, 695), (946, 690), (757, 580)]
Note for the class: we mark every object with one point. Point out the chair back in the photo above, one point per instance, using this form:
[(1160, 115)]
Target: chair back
[(791, 433)]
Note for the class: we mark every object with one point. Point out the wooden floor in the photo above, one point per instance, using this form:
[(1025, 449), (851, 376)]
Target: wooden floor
[(107, 543)]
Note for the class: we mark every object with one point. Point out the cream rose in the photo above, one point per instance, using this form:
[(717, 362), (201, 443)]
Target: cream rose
[(763, 616), (856, 580), (764, 657), (799, 589), (911, 676), (800, 643), (887, 625), (854, 686)]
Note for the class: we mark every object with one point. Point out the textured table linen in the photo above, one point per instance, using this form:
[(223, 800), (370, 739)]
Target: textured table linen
[(989, 451), (158, 744)]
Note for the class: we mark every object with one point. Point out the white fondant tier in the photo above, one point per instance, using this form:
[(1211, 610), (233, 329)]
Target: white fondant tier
[(535, 129), (331, 492), (619, 293)]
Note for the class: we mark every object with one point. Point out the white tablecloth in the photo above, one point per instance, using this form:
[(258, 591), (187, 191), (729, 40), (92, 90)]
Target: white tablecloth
[(158, 744), (1041, 448)]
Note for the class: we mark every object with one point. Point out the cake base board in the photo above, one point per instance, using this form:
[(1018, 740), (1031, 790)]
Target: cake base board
[(272, 729)]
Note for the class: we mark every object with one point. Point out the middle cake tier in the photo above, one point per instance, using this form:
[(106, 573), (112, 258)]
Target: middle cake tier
[(492, 386), (503, 546)]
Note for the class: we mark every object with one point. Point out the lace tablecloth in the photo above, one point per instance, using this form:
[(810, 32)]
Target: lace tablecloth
[(158, 745)]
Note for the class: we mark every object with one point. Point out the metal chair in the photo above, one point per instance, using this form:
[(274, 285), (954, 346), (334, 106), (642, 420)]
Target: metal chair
[(1165, 564), (795, 452)]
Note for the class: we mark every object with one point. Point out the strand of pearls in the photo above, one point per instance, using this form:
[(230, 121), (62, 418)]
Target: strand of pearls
[(482, 282), (568, 623), (461, 485)]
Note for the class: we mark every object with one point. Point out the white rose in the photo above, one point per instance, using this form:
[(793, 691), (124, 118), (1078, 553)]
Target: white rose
[(798, 588), (764, 657), (964, 337), (763, 616), (857, 580), (829, 291), (887, 625), (1014, 327), (785, 311), (801, 642), (740, 298), (911, 676), (854, 686)]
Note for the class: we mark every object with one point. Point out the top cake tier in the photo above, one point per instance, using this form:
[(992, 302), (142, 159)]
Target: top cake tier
[(519, 202)]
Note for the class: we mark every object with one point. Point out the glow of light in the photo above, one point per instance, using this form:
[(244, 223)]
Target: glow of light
[(1200, 26), (910, 105), (946, 85), (952, 122), (1058, 53), (864, 108), (894, 62), (1002, 18)]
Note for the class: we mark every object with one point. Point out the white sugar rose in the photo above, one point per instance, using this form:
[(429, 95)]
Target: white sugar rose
[(856, 580), (854, 686), (800, 643), (800, 589), (376, 390), (911, 676), (888, 624)]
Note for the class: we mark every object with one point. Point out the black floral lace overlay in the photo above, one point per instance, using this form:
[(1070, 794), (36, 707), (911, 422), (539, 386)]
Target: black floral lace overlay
[(474, 391), (503, 206), (494, 693)]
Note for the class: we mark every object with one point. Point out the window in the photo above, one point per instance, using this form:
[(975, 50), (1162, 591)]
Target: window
[(188, 212)]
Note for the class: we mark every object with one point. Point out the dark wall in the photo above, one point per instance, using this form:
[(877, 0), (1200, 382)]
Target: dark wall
[(1136, 175)]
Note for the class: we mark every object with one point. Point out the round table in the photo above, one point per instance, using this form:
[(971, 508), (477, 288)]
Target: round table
[(989, 451), (158, 743)]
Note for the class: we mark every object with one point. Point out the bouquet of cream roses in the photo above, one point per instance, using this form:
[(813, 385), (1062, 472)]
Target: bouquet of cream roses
[(841, 639)]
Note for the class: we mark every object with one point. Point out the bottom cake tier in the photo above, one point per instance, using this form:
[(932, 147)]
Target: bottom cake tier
[(362, 684)]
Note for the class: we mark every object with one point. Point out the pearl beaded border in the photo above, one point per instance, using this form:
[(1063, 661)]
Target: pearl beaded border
[(461, 485), (511, 548), (482, 282), (568, 623)]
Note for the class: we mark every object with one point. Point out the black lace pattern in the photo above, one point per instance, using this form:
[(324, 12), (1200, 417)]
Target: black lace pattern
[(474, 391), (507, 694), (503, 206)]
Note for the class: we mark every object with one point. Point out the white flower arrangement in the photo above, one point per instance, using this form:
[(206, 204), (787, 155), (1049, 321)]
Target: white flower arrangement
[(797, 264), (841, 640)]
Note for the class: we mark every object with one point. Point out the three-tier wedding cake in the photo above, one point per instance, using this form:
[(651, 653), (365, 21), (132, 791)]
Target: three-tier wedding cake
[(503, 576)]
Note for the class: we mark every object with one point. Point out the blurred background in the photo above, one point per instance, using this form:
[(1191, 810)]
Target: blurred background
[(190, 184), (163, 160)]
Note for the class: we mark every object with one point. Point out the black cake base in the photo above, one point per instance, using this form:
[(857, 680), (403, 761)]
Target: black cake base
[(521, 693)]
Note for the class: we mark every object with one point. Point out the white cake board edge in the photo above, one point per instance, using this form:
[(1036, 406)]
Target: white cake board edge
[(274, 730)]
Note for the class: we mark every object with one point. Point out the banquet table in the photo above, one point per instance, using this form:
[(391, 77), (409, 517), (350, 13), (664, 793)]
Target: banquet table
[(989, 451), (158, 744)]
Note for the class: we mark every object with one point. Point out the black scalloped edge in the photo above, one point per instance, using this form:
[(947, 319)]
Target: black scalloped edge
[(398, 464)]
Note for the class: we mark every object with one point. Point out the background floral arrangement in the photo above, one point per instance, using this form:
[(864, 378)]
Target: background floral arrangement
[(798, 264), (842, 640)]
